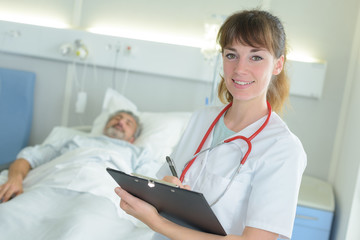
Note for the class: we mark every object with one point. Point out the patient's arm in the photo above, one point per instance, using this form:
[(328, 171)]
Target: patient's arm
[(14, 185)]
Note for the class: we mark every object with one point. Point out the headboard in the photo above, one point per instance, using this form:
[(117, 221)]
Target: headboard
[(16, 111)]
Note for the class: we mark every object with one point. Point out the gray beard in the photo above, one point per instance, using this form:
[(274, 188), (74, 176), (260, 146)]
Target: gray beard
[(114, 133)]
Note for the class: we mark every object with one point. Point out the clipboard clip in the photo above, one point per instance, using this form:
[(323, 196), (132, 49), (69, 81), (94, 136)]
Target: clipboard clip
[(151, 183)]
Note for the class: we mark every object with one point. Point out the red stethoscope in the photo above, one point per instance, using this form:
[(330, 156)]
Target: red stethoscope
[(247, 140)]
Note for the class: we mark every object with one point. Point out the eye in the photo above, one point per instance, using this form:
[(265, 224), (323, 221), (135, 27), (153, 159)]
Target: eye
[(129, 123), (256, 58), (230, 56)]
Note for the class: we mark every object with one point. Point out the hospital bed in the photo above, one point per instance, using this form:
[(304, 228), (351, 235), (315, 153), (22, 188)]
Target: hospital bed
[(161, 132)]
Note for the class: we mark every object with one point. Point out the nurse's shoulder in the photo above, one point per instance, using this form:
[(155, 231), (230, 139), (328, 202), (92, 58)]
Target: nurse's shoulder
[(278, 128), (284, 138)]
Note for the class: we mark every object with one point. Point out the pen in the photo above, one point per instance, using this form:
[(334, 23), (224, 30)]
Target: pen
[(171, 166)]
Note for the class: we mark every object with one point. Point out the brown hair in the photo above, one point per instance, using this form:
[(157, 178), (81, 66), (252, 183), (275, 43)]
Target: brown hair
[(257, 28)]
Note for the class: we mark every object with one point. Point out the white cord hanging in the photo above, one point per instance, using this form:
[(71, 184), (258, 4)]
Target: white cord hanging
[(117, 53), (126, 77)]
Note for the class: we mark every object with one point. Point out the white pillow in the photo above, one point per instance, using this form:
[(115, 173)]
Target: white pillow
[(161, 130), (114, 101)]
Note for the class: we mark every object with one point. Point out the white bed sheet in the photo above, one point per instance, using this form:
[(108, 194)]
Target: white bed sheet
[(53, 213), (72, 197)]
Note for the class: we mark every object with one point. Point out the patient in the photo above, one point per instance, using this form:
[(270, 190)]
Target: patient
[(122, 125), (61, 189)]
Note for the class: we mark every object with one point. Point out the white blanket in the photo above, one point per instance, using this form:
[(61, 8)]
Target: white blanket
[(72, 197)]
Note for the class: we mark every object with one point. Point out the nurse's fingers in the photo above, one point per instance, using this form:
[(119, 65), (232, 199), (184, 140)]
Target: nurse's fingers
[(174, 180), (128, 202), (121, 193), (124, 198), (136, 207)]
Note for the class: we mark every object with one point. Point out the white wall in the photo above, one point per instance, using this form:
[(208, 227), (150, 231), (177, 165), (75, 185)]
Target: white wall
[(325, 28), (345, 167)]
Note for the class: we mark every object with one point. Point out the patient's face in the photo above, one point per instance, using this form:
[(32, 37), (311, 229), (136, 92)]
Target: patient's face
[(121, 126)]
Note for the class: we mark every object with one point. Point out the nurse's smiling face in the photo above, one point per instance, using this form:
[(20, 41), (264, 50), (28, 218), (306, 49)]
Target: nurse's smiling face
[(248, 71)]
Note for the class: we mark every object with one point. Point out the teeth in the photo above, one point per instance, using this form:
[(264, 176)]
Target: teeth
[(243, 83)]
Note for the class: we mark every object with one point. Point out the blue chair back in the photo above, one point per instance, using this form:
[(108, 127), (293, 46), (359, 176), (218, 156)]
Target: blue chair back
[(16, 111)]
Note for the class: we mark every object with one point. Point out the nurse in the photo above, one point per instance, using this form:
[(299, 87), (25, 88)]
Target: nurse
[(260, 199)]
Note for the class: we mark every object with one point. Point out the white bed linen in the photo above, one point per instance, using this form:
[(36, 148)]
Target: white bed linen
[(52, 213), (72, 197)]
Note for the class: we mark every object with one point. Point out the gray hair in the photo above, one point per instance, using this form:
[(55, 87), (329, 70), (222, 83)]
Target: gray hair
[(136, 118)]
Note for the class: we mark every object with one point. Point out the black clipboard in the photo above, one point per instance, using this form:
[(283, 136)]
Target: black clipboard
[(187, 208)]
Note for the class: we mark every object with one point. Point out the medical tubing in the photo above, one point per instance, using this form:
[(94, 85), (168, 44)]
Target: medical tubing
[(264, 124), (203, 141), (206, 149), (228, 186), (248, 140)]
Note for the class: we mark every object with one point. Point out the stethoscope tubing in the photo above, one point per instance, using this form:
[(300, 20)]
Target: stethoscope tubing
[(243, 160), (188, 165)]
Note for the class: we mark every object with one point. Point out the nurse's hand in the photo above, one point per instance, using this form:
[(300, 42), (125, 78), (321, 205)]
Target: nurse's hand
[(176, 181), (136, 207)]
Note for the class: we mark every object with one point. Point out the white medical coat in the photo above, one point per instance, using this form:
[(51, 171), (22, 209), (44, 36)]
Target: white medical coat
[(264, 194)]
